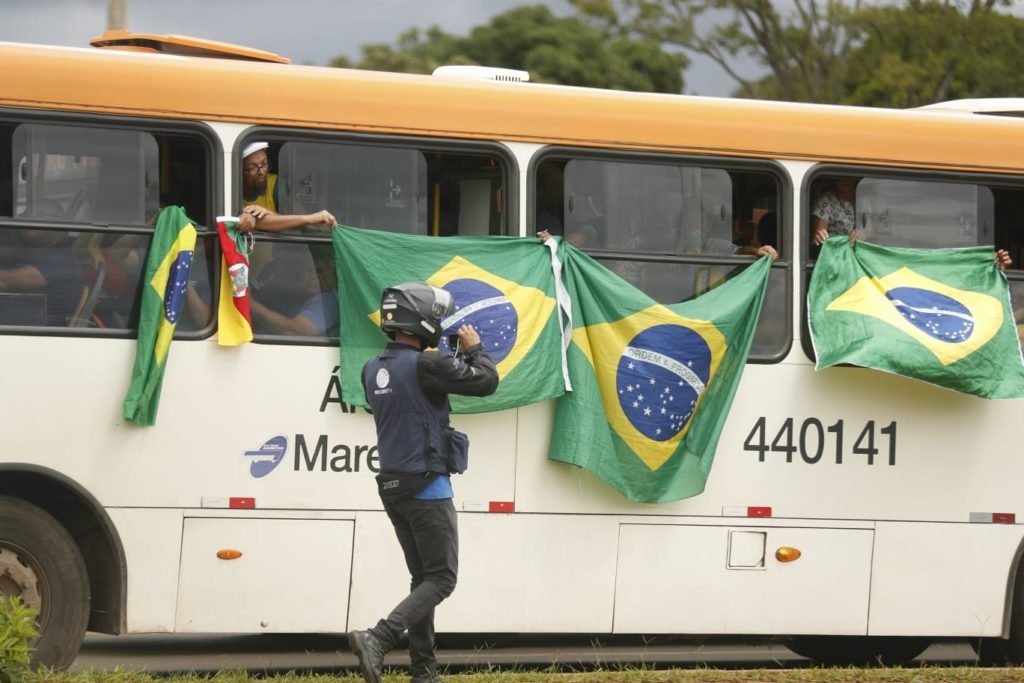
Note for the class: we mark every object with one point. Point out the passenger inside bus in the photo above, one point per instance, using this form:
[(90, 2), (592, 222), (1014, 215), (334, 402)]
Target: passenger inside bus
[(834, 213), (768, 229), (45, 264), (296, 292), (550, 195)]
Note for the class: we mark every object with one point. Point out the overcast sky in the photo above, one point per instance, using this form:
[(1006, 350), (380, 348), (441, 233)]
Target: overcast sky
[(305, 31)]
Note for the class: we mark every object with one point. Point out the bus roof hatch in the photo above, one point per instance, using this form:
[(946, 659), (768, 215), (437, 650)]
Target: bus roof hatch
[(182, 45)]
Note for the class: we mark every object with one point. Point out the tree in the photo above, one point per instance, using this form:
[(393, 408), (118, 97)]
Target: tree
[(897, 55), (802, 51), (934, 51), (552, 49)]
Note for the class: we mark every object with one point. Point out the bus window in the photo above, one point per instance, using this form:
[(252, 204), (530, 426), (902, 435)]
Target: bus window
[(668, 228), (379, 187), (924, 214), (98, 175), (396, 189), (77, 216)]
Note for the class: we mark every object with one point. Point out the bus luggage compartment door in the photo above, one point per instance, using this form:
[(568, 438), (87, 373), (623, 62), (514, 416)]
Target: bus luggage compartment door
[(727, 580), (289, 575)]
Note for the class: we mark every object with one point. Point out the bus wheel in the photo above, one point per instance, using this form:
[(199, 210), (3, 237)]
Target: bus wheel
[(858, 650), (1009, 651), (40, 563), (992, 652)]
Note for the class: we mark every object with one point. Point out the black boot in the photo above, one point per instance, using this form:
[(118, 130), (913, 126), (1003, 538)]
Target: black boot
[(370, 652), (430, 676)]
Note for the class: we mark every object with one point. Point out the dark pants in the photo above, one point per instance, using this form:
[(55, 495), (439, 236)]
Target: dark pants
[(429, 536)]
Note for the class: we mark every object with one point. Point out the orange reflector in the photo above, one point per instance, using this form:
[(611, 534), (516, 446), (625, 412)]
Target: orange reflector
[(229, 554), (242, 503), (787, 554), (501, 506)]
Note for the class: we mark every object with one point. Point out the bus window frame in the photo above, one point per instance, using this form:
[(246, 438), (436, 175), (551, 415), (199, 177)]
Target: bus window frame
[(1014, 274), (784, 213), (156, 126), (279, 135)]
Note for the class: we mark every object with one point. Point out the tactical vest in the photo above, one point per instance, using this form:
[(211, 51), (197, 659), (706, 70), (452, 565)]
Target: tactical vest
[(410, 432)]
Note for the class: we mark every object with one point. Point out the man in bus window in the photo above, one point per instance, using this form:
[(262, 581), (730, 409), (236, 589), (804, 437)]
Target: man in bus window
[(259, 197), (407, 388)]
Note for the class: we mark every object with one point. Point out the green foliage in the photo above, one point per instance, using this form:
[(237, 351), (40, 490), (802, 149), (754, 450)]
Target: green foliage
[(553, 49), (877, 54), (802, 50), (18, 629), (930, 52)]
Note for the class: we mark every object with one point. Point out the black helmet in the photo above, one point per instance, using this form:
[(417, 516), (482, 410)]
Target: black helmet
[(415, 308)]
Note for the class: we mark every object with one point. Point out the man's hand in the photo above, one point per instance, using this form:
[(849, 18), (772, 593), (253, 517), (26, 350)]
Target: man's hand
[(468, 336), (322, 217), (768, 249), (251, 215), (1003, 260)]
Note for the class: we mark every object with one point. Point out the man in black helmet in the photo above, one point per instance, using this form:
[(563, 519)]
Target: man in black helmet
[(407, 388)]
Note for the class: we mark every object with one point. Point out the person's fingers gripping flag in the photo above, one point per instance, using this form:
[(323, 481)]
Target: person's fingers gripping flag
[(167, 278), (939, 315)]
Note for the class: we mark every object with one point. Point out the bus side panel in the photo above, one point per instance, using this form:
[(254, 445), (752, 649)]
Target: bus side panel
[(722, 580), (941, 579), (152, 547), (534, 574), (517, 573), (289, 575)]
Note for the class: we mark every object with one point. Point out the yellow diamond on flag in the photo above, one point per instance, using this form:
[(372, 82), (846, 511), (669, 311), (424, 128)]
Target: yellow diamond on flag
[(509, 316), (951, 323), (653, 368)]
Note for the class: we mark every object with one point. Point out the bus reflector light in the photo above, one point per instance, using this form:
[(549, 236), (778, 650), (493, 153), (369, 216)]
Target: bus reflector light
[(229, 554), (242, 503), (787, 554), (993, 518), (502, 506), (746, 511)]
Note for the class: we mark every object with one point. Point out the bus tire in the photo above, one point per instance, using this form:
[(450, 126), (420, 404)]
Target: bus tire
[(40, 563), (1008, 651), (858, 651)]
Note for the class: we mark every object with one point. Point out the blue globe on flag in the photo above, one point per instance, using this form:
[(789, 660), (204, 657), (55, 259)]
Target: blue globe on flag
[(488, 310), (662, 374), (937, 315)]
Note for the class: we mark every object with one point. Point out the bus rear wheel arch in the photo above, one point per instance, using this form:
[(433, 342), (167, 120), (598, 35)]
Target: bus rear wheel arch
[(40, 562)]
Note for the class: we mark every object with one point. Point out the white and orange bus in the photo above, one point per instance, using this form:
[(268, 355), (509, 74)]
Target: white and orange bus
[(901, 498)]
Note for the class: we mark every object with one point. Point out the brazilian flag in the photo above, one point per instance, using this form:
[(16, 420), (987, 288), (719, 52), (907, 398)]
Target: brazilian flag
[(503, 286), (652, 384), (938, 315), (167, 274)]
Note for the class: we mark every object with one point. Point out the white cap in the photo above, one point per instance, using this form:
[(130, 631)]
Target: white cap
[(254, 147)]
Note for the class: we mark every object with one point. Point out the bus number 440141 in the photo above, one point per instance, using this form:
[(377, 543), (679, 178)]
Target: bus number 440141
[(814, 441)]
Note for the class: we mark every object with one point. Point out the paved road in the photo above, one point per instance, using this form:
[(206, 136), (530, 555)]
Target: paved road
[(329, 653)]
